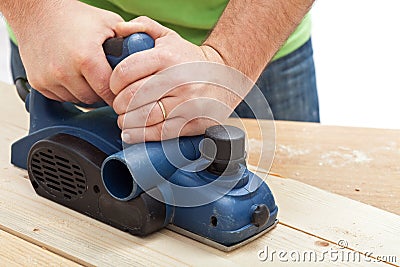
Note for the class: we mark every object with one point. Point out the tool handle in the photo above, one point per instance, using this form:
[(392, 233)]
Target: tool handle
[(118, 48)]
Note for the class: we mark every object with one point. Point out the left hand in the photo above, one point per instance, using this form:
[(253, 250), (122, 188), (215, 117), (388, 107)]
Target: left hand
[(143, 79)]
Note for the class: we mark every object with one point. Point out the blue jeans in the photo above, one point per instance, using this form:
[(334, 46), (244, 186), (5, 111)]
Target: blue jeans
[(289, 86)]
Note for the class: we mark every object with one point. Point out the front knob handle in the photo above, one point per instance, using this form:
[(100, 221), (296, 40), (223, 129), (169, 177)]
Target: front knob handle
[(224, 145)]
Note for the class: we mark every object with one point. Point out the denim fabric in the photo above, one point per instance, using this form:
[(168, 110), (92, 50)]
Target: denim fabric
[(289, 86)]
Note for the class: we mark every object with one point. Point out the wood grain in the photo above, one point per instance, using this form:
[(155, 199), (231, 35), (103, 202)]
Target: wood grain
[(18, 252), (89, 242), (359, 163), (336, 218), (311, 219)]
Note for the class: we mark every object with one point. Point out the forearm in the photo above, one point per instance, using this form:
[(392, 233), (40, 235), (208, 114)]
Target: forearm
[(250, 32), (19, 8), (22, 13)]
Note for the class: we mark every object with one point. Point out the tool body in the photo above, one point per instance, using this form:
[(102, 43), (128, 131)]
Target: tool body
[(77, 159)]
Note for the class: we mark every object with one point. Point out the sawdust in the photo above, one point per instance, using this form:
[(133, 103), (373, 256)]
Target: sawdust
[(391, 146), (343, 156), (254, 144), (291, 151)]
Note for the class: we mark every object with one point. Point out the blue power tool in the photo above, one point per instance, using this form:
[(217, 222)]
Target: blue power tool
[(198, 186)]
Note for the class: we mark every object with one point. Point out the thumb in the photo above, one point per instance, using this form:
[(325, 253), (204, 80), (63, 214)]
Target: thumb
[(142, 24)]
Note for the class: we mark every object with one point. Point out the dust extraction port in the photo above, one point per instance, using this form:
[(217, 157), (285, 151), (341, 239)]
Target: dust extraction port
[(118, 180)]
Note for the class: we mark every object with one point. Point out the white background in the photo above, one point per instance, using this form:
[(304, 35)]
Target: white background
[(357, 56)]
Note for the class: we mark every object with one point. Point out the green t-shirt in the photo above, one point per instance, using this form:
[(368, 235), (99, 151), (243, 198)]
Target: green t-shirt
[(192, 19)]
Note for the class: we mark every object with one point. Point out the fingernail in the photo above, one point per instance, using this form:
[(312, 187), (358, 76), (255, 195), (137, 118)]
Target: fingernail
[(126, 137)]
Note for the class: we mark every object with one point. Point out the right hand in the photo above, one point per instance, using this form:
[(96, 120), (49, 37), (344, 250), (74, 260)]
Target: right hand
[(61, 48)]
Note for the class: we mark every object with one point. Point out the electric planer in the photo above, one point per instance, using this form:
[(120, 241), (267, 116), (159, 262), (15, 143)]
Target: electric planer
[(198, 186)]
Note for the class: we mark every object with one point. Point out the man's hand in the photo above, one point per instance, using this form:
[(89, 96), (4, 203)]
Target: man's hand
[(246, 37), (144, 78), (60, 44)]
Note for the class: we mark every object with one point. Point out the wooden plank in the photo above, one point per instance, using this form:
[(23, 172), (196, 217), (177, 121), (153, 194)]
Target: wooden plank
[(358, 163), (336, 218), (72, 235), (18, 252), (87, 241), (12, 108)]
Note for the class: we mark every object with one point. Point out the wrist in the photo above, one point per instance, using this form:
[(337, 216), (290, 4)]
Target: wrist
[(229, 58), (211, 54)]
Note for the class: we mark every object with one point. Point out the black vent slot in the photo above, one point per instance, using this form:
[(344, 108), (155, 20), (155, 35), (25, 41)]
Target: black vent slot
[(58, 174)]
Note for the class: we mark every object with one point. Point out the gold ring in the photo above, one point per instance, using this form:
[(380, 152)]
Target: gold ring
[(164, 113)]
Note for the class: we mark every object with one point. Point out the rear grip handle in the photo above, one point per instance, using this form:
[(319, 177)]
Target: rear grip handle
[(117, 49)]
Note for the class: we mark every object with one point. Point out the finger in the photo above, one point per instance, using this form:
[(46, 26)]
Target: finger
[(142, 24), (162, 131), (198, 126), (166, 82), (81, 90), (51, 95), (65, 95), (122, 101), (149, 114), (61, 94), (145, 91), (136, 67), (97, 72)]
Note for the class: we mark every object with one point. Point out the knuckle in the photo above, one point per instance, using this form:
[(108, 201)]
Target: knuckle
[(86, 99), (200, 124), (159, 131), (163, 56), (197, 126), (82, 96), (35, 82), (121, 70), (47, 94), (173, 34), (194, 123), (143, 19), (84, 61), (144, 115), (120, 122), (116, 17), (117, 107), (101, 87), (38, 82), (132, 90), (59, 73), (120, 106), (170, 130), (150, 116)]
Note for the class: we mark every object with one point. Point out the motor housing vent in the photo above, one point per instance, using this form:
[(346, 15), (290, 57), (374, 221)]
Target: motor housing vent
[(66, 169), (57, 172)]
